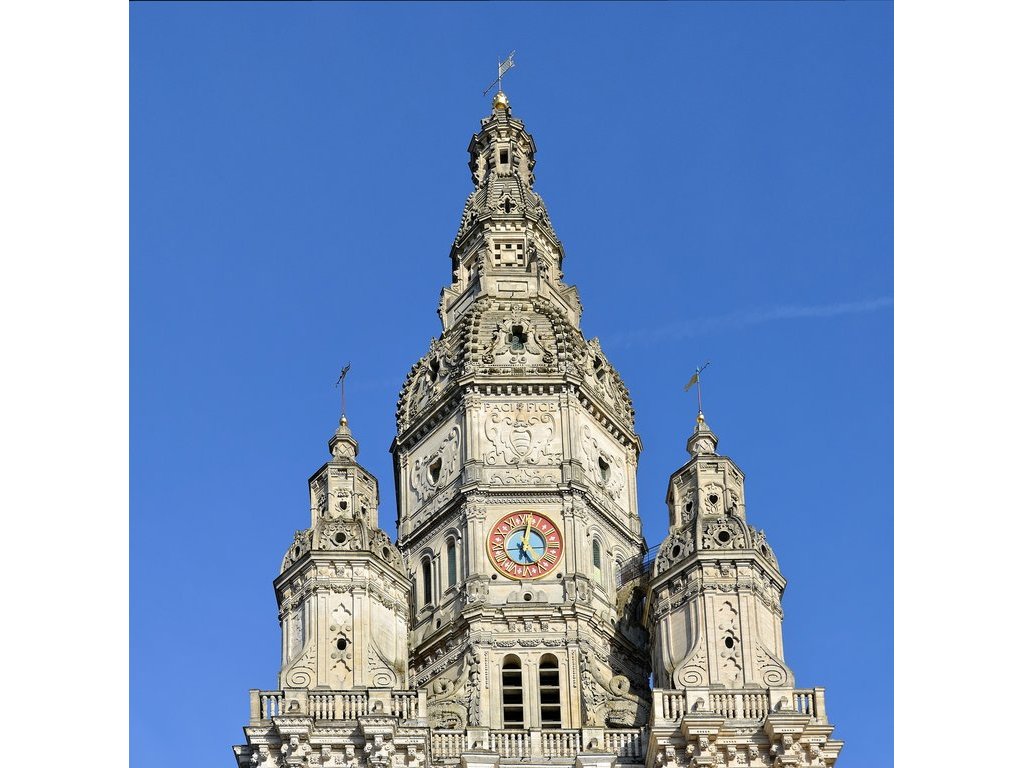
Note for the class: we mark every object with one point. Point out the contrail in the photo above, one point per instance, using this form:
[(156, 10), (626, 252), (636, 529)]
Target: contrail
[(742, 318)]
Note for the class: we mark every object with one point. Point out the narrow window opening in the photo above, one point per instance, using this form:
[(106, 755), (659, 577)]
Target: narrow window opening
[(452, 565), (504, 157), (435, 470), (428, 594), (512, 693), (596, 553), (604, 466), (550, 693)]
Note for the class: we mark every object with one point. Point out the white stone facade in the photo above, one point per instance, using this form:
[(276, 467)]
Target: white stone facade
[(517, 619)]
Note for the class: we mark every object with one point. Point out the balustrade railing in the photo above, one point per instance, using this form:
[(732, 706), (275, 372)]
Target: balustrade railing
[(404, 704), (560, 743), (625, 743), (270, 704), (338, 706), (335, 705), (510, 743), (742, 704), (447, 744), (674, 704), (803, 702)]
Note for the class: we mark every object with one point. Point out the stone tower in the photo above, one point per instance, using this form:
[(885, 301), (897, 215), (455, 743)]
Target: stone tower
[(515, 471), (519, 618), (343, 606), (722, 690)]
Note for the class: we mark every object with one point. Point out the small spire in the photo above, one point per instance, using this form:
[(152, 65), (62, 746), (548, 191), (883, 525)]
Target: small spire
[(703, 441), (342, 444)]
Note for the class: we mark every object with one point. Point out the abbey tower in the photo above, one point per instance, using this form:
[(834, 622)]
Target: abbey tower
[(519, 619)]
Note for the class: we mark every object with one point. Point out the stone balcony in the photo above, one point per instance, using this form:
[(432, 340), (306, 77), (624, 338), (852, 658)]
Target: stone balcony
[(741, 704), (337, 705)]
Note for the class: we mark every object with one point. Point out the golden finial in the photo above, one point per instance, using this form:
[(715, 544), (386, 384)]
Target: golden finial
[(500, 101)]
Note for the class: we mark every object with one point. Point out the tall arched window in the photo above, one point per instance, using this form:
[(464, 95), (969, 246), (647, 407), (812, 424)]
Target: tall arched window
[(596, 550), (452, 564), (550, 693), (512, 693), (428, 593)]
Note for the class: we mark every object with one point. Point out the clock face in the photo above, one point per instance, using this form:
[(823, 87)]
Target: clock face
[(524, 545)]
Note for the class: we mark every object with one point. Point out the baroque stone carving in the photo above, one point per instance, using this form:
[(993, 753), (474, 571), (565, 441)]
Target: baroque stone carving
[(521, 439), (515, 340), (730, 667), (435, 469), (605, 469)]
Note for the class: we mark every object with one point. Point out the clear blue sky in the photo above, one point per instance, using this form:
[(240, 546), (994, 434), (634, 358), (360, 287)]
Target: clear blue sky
[(721, 178)]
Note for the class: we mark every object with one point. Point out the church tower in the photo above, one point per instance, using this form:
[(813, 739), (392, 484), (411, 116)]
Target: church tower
[(515, 471), (721, 688), (519, 618)]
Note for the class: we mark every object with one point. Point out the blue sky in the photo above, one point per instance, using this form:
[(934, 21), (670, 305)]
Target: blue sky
[(721, 178)]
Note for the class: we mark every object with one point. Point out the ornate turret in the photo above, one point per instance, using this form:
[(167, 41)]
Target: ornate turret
[(715, 617), (343, 605), (328, 639)]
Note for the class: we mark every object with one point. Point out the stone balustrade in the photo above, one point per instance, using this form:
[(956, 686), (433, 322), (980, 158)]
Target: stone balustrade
[(740, 704), (447, 744), (627, 744), (337, 705)]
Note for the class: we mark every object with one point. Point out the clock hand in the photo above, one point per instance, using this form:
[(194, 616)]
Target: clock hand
[(524, 548)]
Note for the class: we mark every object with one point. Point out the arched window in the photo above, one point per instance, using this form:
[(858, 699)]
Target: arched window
[(428, 594), (452, 564), (512, 693), (596, 549), (550, 693)]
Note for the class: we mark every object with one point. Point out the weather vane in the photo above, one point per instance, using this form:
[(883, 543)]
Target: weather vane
[(341, 381), (503, 67), (695, 379)]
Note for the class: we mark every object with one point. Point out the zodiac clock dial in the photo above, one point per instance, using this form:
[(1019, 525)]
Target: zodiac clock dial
[(524, 545)]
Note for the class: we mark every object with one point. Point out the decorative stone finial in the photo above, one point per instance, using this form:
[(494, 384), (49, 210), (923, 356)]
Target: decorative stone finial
[(342, 445), (703, 441)]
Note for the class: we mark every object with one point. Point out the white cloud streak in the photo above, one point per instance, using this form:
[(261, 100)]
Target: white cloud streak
[(741, 319)]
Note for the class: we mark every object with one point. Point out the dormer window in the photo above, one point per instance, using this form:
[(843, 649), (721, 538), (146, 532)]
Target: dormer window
[(517, 339)]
